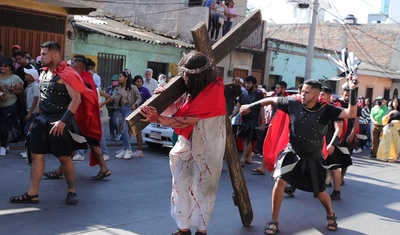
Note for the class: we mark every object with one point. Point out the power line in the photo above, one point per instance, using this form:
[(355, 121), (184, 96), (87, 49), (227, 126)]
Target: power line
[(362, 31), (380, 12)]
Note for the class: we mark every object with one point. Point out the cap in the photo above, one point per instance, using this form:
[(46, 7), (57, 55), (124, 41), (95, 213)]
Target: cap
[(16, 46), (114, 78), (32, 71), (379, 98)]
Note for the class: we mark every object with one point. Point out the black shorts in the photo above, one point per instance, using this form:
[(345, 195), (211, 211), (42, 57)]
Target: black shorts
[(41, 142), (247, 130), (335, 159), (91, 141)]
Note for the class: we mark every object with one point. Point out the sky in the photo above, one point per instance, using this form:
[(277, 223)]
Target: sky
[(278, 10)]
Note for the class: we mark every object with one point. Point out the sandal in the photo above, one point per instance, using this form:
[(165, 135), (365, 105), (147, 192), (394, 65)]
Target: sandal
[(25, 198), (101, 175), (180, 232), (200, 233), (53, 175), (257, 171), (332, 226), (71, 199), (272, 227), (290, 191)]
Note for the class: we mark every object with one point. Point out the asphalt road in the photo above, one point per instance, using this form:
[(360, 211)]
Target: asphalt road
[(135, 199)]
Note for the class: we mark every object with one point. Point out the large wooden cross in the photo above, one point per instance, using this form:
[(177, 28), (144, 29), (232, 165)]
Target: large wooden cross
[(176, 87)]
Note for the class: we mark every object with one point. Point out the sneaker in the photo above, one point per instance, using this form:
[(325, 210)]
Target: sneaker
[(354, 151), (118, 137), (23, 154), (359, 150), (335, 196), (2, 151), (128, 154), (106, 157), (8, 149), (138, 153), (78, 157), (120, 154)]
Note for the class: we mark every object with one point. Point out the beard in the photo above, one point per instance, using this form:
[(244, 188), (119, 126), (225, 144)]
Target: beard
[(251, 88)]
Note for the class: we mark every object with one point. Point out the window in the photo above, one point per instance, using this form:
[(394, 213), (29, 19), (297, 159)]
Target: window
[(195, 3), (369, 93), (157, 68), (395, 93), (299, 80), (273, 79), (241, 73), (386, 94), (109, 65)]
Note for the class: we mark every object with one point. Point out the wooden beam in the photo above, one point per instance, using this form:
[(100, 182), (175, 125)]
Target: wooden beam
[(177, 86)]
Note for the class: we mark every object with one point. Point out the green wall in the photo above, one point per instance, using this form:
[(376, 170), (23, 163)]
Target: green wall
[(137, 53)]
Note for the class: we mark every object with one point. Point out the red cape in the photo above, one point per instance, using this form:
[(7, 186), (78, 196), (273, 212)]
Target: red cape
[(278, 137), (88, 115), (209, 103)]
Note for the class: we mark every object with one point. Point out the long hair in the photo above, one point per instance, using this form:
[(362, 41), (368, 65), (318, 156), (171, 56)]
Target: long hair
[(398, 104), (199, 71), (128, 80)]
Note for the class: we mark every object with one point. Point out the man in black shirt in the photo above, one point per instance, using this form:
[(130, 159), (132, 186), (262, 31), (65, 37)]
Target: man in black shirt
[(249, 121), (302, 163)]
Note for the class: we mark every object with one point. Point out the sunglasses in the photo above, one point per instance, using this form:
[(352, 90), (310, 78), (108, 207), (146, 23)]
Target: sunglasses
[(4, 65)]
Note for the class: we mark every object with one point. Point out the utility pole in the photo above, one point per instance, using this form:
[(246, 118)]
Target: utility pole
[(311, 39)]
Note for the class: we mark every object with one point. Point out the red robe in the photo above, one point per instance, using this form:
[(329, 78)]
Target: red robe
[(209, 103), (88, 115)]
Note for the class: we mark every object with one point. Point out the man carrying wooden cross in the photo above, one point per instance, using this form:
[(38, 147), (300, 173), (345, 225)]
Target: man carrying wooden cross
[(196, 159), (176, 87)]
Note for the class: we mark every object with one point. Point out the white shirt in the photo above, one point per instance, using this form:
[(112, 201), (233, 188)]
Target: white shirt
[(97, 80), (150, 85)]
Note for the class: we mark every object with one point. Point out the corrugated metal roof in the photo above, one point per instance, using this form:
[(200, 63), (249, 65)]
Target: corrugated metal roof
[(117, 29)]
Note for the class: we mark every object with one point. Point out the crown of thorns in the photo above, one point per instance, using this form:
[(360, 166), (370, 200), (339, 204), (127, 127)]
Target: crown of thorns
[(197, 70)]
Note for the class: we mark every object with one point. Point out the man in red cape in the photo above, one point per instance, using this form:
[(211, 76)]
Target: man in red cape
[(63, 96), (196, 159), (87, 117)]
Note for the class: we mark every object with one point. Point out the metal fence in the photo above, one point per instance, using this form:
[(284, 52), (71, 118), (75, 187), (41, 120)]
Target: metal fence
[(109, 65)]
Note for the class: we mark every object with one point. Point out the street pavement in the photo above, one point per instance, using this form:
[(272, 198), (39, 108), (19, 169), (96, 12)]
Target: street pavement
[(135, 199)]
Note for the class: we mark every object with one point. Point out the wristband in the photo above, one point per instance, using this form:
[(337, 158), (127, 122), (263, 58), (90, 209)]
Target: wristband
[(353, 97), (254, 107), (335, 140), (67, 116)]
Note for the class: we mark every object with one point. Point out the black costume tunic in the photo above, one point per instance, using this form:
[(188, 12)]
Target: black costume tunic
[(301, 163), (335, 159), (54, 101)]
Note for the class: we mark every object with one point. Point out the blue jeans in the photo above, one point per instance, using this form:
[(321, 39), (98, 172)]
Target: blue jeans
[(227, 26), (112, 122), (103, 143), (124, 112)]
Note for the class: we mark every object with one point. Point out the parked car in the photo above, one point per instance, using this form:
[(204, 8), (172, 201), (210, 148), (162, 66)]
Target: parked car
[(157, 135)]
